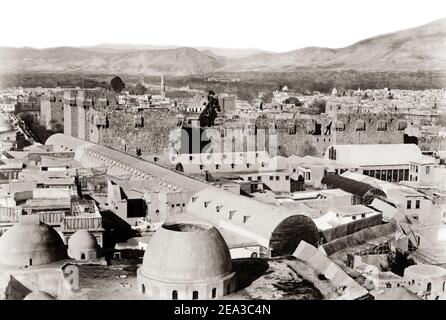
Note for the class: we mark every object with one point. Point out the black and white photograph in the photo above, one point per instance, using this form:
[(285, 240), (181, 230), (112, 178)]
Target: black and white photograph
[(238, 152)]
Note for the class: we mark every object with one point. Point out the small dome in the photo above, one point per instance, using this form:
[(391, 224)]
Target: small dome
[(30, 243), (184, 252), (82, 240), (39, 295)]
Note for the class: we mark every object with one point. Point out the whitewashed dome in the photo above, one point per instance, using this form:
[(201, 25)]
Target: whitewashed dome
[(82, 240), (185, 252)]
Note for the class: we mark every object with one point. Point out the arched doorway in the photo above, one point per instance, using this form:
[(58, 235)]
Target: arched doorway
[(174, 295), (83, 256), (429, 287), (195, 295), (179, 167), (143, 289)]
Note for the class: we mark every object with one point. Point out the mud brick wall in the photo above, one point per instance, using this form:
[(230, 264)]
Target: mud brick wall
[(152, 138)]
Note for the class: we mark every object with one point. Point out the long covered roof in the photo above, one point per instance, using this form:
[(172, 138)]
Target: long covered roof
[(349, 185), (61, 141), (254, 219), (376, 154)]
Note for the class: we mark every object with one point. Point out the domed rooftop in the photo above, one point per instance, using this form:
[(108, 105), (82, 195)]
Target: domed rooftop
[(185, 252), (30, 243), (424, 271), (39, 295), (82, 240)]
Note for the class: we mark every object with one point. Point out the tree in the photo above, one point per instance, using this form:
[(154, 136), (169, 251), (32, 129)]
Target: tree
[(117, 85), (209, 114), (293, 100), (318, 104), (267, 97), (139, 89)]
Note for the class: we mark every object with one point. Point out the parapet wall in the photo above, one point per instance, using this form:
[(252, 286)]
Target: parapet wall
[(313, 135), (127, 132)]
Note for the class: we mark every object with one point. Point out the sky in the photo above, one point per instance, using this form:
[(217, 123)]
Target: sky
[(273, 25)]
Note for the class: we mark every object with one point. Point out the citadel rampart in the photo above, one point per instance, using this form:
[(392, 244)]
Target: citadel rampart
[(313, 135), (150, 131)]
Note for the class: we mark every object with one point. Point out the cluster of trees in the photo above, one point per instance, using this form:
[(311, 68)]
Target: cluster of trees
[(21, 141), (318, 104), (117, 85), (209, 114), (293, 100), (138, 89)]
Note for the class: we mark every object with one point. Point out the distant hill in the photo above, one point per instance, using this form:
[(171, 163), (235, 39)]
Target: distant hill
[(178, 61), (230, 53), (420, 48)]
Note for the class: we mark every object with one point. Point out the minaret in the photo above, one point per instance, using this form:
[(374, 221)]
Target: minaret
[(163, 87)]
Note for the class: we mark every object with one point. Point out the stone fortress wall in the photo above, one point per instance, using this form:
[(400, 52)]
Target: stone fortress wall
[(313, 135), (147, 130), (151, 130)]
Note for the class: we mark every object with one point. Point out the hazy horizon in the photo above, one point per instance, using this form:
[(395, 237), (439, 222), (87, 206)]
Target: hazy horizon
[(247, 25)]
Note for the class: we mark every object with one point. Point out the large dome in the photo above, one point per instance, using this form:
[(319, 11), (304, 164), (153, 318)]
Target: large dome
[(30, 243), (184, 252)]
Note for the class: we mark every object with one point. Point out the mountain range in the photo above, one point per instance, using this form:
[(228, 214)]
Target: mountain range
[(421, 48)]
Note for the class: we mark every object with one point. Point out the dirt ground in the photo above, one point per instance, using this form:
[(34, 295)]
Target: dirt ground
[(114, 282), (284, 278)]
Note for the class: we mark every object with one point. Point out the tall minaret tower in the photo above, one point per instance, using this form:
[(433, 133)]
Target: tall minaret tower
[(163, 87)]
